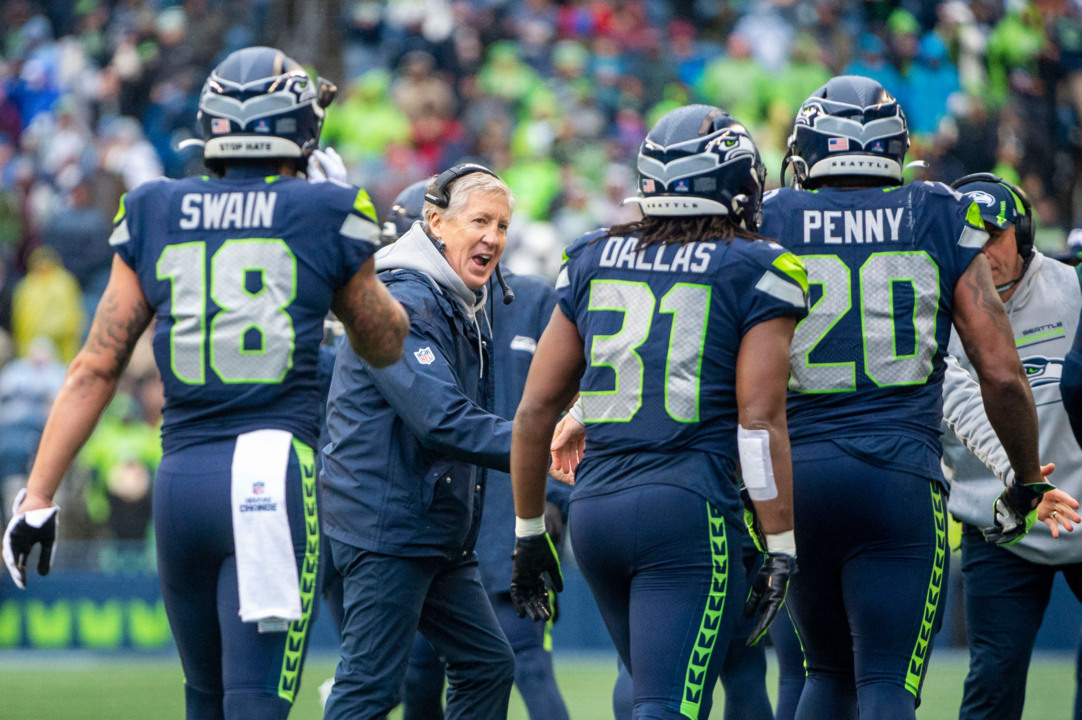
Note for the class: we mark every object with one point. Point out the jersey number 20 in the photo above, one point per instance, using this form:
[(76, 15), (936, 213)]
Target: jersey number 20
[(886, 360), (245, 314)]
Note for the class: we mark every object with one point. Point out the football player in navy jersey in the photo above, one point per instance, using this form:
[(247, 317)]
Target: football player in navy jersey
[(890, 267), (676, 329), (237, 270)]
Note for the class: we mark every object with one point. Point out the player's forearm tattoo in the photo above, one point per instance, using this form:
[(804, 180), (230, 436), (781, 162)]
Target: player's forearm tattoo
[(117, 327), (977, 281), (382, 322)]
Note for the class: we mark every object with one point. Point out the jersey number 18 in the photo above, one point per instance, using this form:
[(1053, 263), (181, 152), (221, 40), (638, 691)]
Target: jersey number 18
[(244, 314)]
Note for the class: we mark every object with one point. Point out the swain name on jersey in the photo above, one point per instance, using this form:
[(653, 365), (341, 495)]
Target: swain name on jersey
[(838, 227), (225, 211), (620, 252)]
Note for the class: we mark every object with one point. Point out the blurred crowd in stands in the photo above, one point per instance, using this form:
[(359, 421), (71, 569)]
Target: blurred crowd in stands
[(96, 95)]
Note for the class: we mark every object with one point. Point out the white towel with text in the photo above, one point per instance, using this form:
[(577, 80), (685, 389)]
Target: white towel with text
[(266, 565)]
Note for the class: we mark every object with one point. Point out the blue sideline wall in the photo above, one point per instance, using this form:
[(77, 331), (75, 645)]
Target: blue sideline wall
[(91, 610)]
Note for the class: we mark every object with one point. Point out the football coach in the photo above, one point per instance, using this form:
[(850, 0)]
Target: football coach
[(403, 474)]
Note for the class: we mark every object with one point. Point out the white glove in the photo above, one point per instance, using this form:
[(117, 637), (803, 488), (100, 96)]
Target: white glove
[(24, 532), (326, 165)]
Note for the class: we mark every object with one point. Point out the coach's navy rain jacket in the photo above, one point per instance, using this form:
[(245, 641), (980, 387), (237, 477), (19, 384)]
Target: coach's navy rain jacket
[(400, 473)]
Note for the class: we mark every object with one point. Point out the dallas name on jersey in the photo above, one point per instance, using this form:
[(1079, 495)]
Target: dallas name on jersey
[(662, 327)]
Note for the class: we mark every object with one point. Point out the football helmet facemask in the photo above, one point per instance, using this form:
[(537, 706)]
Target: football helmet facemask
[(260, 103), (851, 126), (698, 160)]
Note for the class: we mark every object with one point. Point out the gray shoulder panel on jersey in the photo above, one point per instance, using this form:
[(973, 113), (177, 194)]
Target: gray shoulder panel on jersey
[(120, 234), (563, 279), (357, 228), (971, 237), (783, 290)]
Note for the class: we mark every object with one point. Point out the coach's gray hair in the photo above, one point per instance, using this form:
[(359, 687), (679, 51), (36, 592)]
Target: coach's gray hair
[(460, 191)]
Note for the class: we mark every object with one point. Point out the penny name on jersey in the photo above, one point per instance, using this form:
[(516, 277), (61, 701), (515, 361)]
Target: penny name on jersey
[(225, 211), (619, 252), (838, 227)]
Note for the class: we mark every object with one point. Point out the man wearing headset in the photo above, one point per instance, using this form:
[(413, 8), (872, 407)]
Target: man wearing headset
[(1007, 587), (403, 479)]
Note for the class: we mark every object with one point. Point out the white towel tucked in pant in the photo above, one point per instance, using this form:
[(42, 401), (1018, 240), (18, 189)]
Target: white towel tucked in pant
[(266, 566)]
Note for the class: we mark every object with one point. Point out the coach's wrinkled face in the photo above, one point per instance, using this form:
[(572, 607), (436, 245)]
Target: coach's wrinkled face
[(475, 236)]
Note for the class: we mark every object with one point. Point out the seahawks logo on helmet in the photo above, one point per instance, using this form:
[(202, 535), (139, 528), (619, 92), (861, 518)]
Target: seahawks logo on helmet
[(698, 160), (851, 126), (260, 103), (1043, 371)]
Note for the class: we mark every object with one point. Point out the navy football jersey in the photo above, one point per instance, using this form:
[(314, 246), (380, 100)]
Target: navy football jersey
[(240, 273), (882, 264), (662, 328)]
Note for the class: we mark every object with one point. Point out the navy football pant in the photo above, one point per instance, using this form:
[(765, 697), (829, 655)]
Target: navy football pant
[(790, 664), (231, 670), (534, 675), (657, 560), (866, 601), (743, 671), (387, 600), (1006, 597)]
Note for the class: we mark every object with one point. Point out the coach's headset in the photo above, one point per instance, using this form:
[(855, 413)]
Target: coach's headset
[(439, 194), (1024, 232), (1023, 224)]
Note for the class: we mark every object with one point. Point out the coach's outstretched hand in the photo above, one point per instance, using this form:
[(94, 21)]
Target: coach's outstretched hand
[(767, 593), (24, 532), (534, 556), (1015, 512)]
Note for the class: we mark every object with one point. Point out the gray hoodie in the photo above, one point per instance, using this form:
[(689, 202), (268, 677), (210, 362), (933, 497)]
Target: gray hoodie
[(415, 250)]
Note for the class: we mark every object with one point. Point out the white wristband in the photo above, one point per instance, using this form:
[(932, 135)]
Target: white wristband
[(525, 527), (783, 542), (576, 412)]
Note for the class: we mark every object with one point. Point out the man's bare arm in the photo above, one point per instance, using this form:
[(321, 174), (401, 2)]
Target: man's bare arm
[(986, 334), (375, 322), (762, 374), (122, 316)]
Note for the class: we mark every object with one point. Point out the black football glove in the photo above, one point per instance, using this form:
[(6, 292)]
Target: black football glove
[(751, 520), (554, 602), (1015, 512), (767, 593), (555, 523), (534, 556), (24, 532)]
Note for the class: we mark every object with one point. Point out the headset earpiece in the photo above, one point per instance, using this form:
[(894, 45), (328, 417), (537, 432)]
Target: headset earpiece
[(439, 194)]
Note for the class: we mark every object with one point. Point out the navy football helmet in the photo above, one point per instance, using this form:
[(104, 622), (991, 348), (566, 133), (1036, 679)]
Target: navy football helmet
[(849, 127), (698, 160), (405, 210), (260, 103)]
